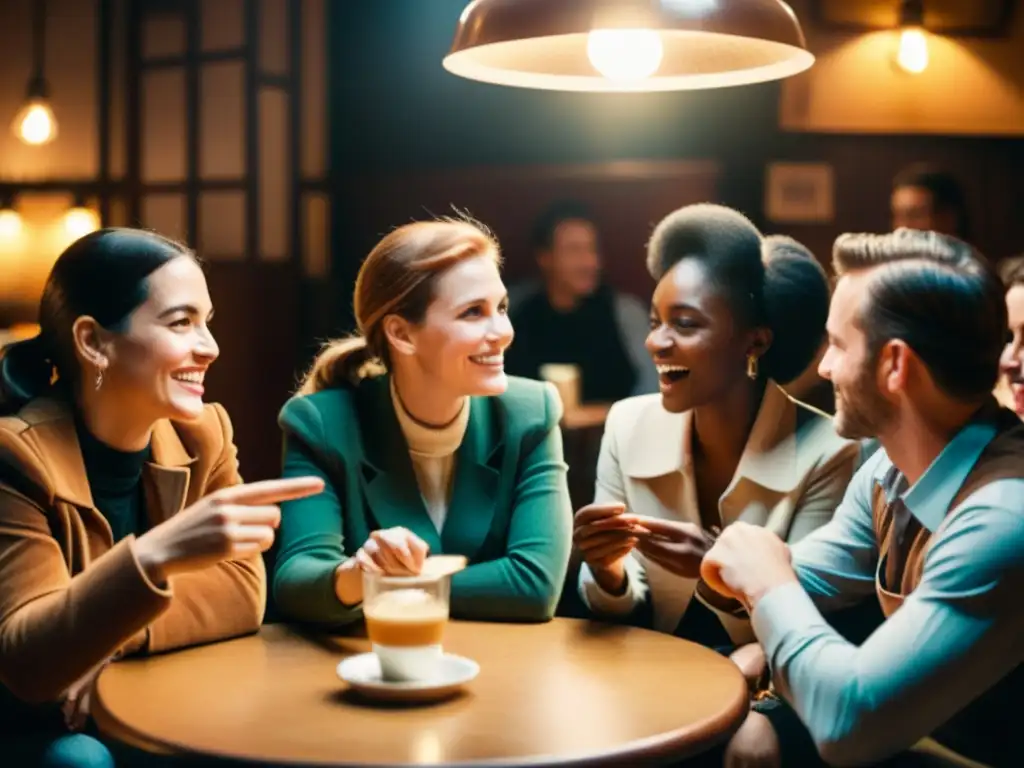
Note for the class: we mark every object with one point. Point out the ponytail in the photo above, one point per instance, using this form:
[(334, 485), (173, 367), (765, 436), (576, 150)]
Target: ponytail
[(397, 278), (26, 372), (341, 363)]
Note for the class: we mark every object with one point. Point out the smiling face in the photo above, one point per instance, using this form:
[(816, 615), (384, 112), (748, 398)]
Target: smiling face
[(572, 263), (156, 367), (700, 352), (460, 344), (861, 409), (1011, 364)]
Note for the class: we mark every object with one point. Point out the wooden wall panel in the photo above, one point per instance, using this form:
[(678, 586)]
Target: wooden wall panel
[(627, 197), (256, 326), (991, 171)]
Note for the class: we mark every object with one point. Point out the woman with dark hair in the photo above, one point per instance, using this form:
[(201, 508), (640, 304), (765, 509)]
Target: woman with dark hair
[(124, 527), (730, 321), (424, 443)]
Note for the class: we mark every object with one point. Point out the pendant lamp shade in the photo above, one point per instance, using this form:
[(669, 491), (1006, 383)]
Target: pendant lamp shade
[(627, 45)]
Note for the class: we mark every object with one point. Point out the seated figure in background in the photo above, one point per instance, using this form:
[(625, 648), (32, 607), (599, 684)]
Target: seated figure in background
[(1010, 390), (930, 198), (573, 318)]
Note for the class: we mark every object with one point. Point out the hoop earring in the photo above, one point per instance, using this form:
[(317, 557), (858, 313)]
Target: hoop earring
[(99, 378), (752, 366)]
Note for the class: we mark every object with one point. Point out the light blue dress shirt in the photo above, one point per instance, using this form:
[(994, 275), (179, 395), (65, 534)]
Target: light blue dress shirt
[(956, 635)]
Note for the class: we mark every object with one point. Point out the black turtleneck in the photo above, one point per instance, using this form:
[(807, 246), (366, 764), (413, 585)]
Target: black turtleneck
[(587, 335), (115, 481)]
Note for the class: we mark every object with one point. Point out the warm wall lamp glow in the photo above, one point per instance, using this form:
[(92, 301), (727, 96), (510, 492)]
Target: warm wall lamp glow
[(80, 220), (35, 123), (10, 220), (627, 45), (913, 51)]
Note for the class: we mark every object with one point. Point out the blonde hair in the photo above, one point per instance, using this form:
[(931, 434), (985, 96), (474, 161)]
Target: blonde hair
[(397, 278)]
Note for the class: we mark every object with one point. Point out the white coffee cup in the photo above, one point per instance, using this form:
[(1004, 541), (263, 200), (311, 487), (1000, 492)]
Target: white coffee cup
[(405, 621), (566, 379)]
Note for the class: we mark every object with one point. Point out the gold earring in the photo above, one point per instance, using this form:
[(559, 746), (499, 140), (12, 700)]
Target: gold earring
[(752, 366), (99, 378)]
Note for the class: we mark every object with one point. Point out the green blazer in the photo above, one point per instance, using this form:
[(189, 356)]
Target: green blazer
[(509, 512)]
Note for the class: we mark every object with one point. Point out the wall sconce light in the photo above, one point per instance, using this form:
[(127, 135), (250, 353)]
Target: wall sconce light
[(10, 219), (80, 220), (912, 56), (915, 23), (35, 122)]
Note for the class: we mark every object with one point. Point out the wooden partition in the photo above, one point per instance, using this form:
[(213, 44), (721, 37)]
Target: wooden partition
[(256, 326)]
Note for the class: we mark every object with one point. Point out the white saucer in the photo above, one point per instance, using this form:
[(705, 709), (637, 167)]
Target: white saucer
[(362, 673)]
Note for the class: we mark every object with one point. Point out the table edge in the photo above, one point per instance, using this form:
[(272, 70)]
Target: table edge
[(651, 750)]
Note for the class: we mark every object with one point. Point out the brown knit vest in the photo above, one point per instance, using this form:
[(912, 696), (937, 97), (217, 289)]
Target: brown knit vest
[(982, 730)]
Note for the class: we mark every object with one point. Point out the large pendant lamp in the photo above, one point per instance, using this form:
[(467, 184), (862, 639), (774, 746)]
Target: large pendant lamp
[(627, 45)]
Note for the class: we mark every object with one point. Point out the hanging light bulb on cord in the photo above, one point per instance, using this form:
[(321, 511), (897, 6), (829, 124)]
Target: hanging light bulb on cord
[(625, 55), (913, 51), (35, 123)]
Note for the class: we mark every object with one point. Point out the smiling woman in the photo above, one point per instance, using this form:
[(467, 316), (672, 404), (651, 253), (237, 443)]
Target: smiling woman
[(1011, 364), (424, 443), (123, 525), (733, 315)]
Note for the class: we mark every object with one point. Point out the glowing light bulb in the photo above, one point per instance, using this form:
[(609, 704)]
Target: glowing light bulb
[(913, 53), (35, 123), (80, 221), (625, 55), (10, 223)]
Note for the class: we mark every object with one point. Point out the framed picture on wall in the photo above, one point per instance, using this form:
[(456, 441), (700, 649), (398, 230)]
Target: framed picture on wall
[(800, 193)]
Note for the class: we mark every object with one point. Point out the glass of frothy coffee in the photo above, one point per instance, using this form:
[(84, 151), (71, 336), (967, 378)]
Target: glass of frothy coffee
[(405, 621)]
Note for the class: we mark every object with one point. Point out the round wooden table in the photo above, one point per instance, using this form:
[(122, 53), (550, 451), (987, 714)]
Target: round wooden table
[(565, 693)]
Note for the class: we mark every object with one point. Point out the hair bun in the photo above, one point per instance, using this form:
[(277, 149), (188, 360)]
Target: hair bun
[(796, 301), (25, 372)]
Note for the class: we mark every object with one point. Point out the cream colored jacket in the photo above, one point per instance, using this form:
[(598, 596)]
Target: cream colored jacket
[(791, 477)]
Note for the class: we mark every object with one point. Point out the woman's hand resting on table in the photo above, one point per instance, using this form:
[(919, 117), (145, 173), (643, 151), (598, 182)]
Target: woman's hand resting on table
[(231, 523), (392, 552)]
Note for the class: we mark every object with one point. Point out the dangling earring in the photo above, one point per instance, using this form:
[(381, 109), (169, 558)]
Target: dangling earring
[(752, 366), (99, 378)]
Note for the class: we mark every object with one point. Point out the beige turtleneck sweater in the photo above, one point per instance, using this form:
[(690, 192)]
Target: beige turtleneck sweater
[(432, 450)]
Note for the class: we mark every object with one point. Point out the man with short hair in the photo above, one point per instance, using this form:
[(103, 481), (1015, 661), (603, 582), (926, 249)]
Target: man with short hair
[(929, 198), (933, 524), (574, 318)]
